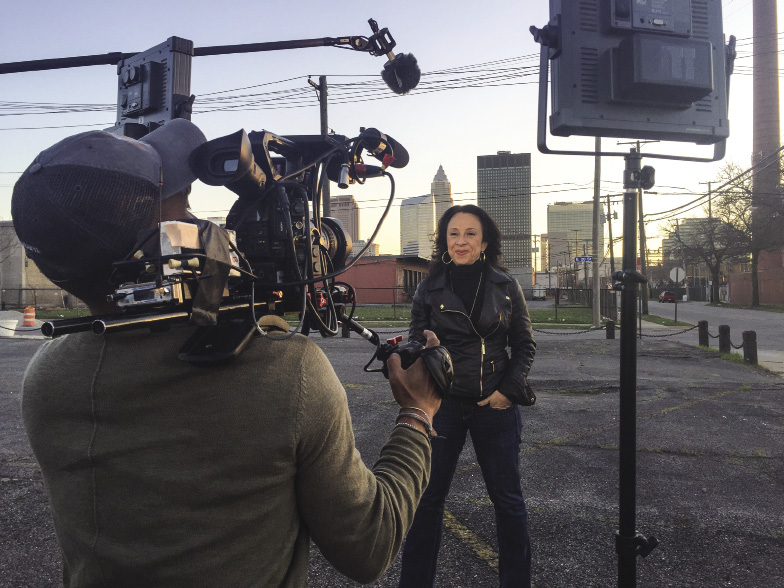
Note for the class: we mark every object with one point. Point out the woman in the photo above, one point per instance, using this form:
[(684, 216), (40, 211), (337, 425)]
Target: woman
[(477, 310)]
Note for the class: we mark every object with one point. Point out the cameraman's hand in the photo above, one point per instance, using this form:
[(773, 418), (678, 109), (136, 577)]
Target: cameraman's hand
[(414, 387)]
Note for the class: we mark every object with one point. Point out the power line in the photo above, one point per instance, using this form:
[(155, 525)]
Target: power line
[(769, 161)]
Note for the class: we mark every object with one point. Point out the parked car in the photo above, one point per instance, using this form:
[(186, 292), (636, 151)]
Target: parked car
[(667, 297)]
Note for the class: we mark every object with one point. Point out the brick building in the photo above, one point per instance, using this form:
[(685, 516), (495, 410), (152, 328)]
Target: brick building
[(385, 279)]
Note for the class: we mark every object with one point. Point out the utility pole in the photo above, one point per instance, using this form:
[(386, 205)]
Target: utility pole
[(535, 250), (321, 90), (576, 253), (597, 176), (609, 229), (710, 217), (710, 193)]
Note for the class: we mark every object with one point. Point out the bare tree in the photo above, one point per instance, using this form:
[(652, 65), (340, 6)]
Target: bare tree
[(8, 242), (758, 221), (709, 240)]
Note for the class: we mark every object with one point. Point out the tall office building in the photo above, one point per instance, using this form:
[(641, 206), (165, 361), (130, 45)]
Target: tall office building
[(575, 220), (570, 235), (504, 192), (346, 210), (441, 190), (417, 225)]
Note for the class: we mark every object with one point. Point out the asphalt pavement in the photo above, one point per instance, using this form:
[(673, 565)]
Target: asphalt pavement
[(768, 326), (710, 435)]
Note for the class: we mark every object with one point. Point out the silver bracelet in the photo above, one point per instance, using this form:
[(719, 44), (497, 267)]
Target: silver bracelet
[(424, 420), (415, 408), (413, 428)]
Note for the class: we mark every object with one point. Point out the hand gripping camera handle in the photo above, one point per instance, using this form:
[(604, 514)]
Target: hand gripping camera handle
[(437, 360)]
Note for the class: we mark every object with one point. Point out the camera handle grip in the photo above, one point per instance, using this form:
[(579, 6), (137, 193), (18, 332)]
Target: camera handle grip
[(437, 360)]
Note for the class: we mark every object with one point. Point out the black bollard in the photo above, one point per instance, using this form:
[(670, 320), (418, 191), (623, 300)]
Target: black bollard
[(702, 329), (724, 339), (610, 329), (750, 347)]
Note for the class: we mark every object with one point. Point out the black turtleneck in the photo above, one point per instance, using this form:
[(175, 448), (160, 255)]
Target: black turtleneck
[(464, 280)]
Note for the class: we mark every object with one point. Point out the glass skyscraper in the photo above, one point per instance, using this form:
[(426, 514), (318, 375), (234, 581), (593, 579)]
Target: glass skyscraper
[(417, 226), (504, 192)]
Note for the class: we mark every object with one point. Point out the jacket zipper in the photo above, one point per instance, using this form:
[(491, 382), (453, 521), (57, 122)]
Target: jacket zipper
[(482, 340)]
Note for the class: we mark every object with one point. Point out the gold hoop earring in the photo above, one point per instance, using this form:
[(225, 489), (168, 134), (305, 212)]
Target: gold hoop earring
[(443, 260), (482, 256)]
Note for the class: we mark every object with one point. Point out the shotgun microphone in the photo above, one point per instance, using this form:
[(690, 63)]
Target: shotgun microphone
[(380, 145)]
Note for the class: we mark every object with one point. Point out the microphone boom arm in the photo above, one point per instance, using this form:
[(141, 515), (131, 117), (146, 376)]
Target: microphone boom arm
[(379, 44)]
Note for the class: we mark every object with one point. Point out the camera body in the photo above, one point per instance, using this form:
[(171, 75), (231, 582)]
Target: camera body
[(272, 250)]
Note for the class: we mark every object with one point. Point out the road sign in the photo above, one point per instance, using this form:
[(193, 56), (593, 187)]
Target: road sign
[(677, 274), (583, 258)]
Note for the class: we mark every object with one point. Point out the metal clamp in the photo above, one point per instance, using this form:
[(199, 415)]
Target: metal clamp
[(628, 277), (630, 547)]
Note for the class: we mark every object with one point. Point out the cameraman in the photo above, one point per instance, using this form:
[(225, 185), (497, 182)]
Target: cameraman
[(163, 474)]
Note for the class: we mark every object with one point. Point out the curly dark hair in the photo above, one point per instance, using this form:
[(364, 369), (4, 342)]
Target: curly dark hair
[(490, 235)]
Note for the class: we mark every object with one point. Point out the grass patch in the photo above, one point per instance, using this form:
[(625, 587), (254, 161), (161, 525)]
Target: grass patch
[(659, 320), (53, 314), (735, 358), (383, 312), (572, 315), (399, 315)]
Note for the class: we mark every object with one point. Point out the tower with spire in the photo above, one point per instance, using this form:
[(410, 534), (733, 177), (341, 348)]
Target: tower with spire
[(441, 191)]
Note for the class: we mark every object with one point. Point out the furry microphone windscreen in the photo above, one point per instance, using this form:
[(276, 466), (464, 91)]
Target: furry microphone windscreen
[(401, 73)]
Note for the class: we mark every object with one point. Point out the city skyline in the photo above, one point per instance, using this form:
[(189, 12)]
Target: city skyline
[(496, 81)]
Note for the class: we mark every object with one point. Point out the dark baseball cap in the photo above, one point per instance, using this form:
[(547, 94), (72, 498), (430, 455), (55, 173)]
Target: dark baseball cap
[(82, 202)]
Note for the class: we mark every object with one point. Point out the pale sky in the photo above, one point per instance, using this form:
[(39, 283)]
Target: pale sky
[(449, 127)]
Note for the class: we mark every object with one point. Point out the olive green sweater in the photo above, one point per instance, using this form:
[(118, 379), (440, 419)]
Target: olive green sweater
[(164, 474)]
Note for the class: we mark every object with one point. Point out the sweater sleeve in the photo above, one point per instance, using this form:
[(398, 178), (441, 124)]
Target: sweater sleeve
[(358, 517), (522, 345)]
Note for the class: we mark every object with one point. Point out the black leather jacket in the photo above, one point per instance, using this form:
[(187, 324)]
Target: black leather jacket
[(479, 353)]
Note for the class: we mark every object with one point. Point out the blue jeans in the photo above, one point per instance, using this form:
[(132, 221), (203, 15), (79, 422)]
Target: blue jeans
[(496, 438)]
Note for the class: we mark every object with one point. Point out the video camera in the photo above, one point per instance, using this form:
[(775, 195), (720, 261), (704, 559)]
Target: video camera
[(275, 249)]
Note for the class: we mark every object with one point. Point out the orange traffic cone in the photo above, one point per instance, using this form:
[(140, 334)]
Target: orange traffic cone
[(29, 317)]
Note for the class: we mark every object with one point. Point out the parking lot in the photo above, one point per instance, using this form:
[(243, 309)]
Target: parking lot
[(710, 481)]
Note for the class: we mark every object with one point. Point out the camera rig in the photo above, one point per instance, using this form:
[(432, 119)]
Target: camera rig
[(276, 255)]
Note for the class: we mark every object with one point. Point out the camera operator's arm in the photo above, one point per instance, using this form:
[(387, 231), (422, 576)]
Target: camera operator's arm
[(359, 517)]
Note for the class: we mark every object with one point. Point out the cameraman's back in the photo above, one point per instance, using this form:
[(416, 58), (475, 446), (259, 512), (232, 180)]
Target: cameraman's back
[(166, 474), (163, 469)]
